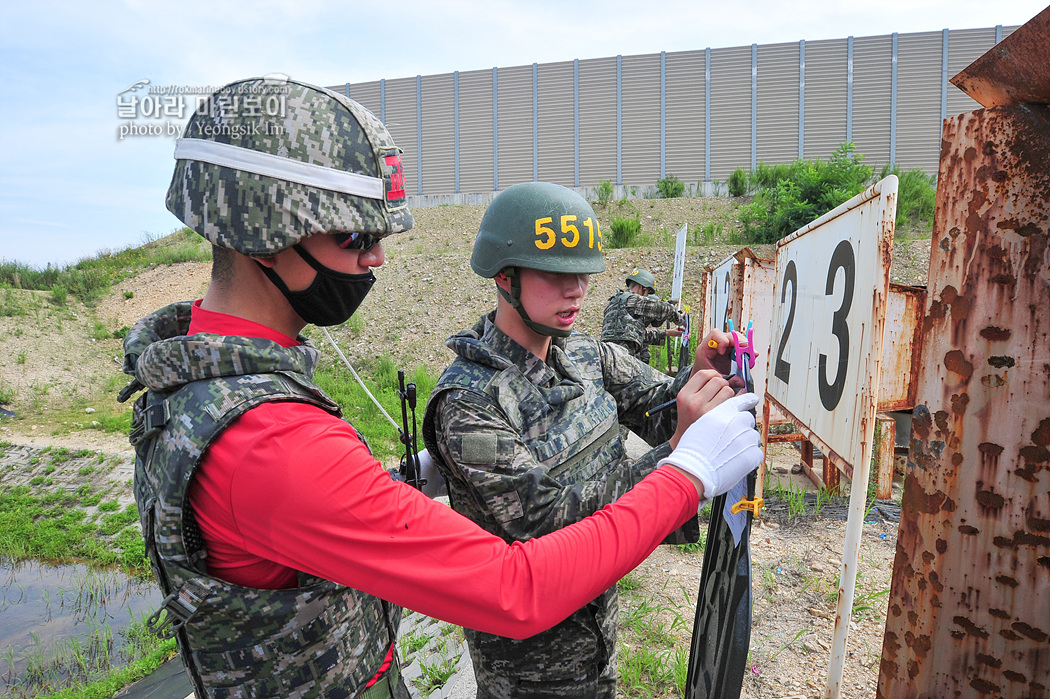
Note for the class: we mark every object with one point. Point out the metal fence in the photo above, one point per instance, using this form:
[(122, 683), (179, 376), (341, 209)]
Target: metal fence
[(698, 115)]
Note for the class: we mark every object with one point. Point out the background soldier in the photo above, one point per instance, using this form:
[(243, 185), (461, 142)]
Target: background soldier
[(630, 314), (524, 425), (282, 546)]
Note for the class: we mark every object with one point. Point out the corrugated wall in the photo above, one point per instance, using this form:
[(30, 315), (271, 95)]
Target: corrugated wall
[(730, 111), (641, 119), (920, 77), (476, 172), (597, 121), (515, 125), (965, 45), (918, 100), (684, 123), (778, 102), (871, 98), (401, 122), (825, 125), (556, 124), (439, 136)]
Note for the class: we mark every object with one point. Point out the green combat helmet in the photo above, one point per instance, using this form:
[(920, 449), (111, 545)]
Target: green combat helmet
[(643, 278), (266, 162), (541, 226)]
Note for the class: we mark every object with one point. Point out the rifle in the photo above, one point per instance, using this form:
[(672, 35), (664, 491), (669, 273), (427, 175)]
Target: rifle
[(409, 469)]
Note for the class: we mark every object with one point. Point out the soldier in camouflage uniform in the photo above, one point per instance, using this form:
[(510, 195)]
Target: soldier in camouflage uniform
[(283, 548), (525, 422), (630, 315)]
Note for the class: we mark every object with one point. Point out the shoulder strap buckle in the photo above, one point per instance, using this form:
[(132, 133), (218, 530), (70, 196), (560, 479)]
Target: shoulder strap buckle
[(178, 608), (153, 420)]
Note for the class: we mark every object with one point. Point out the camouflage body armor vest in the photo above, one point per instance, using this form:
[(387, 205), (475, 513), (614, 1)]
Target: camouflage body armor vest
[(572, 429), (619, 326), (320, 639)]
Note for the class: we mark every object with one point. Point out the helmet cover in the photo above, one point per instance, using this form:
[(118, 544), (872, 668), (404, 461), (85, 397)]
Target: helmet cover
[(264, 163)]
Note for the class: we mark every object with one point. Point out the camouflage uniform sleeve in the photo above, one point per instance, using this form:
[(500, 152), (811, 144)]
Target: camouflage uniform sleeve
[(654, 336), (495, 481), (652, 311), (637, 387)]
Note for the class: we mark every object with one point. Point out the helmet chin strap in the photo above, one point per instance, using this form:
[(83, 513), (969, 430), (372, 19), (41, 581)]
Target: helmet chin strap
[(513, 297)]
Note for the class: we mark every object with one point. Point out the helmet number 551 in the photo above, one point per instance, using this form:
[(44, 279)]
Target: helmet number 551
[(546, 236)]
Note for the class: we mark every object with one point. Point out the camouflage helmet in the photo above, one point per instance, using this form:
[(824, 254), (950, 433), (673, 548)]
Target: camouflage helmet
[(538, 225), (643, 278), (266, 162)]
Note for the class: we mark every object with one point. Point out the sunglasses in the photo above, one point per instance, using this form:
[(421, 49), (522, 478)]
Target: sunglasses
[(355, 241)]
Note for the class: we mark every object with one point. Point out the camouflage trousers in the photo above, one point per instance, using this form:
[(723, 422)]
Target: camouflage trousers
[(560, 663), (492, 686)]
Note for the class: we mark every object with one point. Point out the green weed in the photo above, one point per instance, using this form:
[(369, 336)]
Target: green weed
[(790, 195), (434, 676), (59, 295), (624, 231), (603, 192), (99, 331), (412, 642), (670, 187), (738, 183)]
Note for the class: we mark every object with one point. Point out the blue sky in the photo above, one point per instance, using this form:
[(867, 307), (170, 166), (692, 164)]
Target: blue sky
[(69, 187)]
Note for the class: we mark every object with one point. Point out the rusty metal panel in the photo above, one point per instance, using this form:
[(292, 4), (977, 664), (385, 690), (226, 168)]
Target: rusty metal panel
[(900, 348), (969, 612), (1014, 71), (756, 307)]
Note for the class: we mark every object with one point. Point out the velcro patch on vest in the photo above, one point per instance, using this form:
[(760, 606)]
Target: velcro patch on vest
[(479, 448)]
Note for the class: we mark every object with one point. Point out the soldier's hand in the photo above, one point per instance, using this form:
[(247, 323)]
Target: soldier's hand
[(717, 357), (721, 447), (704, 391), (674, 332)]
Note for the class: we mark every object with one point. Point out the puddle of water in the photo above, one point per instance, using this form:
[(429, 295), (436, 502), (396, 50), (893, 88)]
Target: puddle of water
[(45, 610)]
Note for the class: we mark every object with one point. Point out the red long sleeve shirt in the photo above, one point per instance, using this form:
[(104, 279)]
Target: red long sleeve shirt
[(289, 487)]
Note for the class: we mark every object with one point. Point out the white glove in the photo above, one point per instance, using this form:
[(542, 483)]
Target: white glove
[(435, 485), (721, 447)]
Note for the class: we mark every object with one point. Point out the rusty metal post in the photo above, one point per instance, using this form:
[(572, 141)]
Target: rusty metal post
[(969, 611), (882, 453), (831, 476)]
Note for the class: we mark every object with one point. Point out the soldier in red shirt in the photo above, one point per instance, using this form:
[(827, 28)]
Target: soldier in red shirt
[(284, 549)]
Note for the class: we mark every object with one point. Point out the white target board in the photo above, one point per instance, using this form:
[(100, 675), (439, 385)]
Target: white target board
[(829, 319), (679, 263), (829, 308), (719, 293)]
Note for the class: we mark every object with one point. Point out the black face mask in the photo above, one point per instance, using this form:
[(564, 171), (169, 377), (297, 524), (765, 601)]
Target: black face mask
[(331, 299)]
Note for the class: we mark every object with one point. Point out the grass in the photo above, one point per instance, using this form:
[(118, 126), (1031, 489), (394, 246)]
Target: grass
[(144, 653), (57, 527), (358, 408), (90, 279), (654, 650)]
